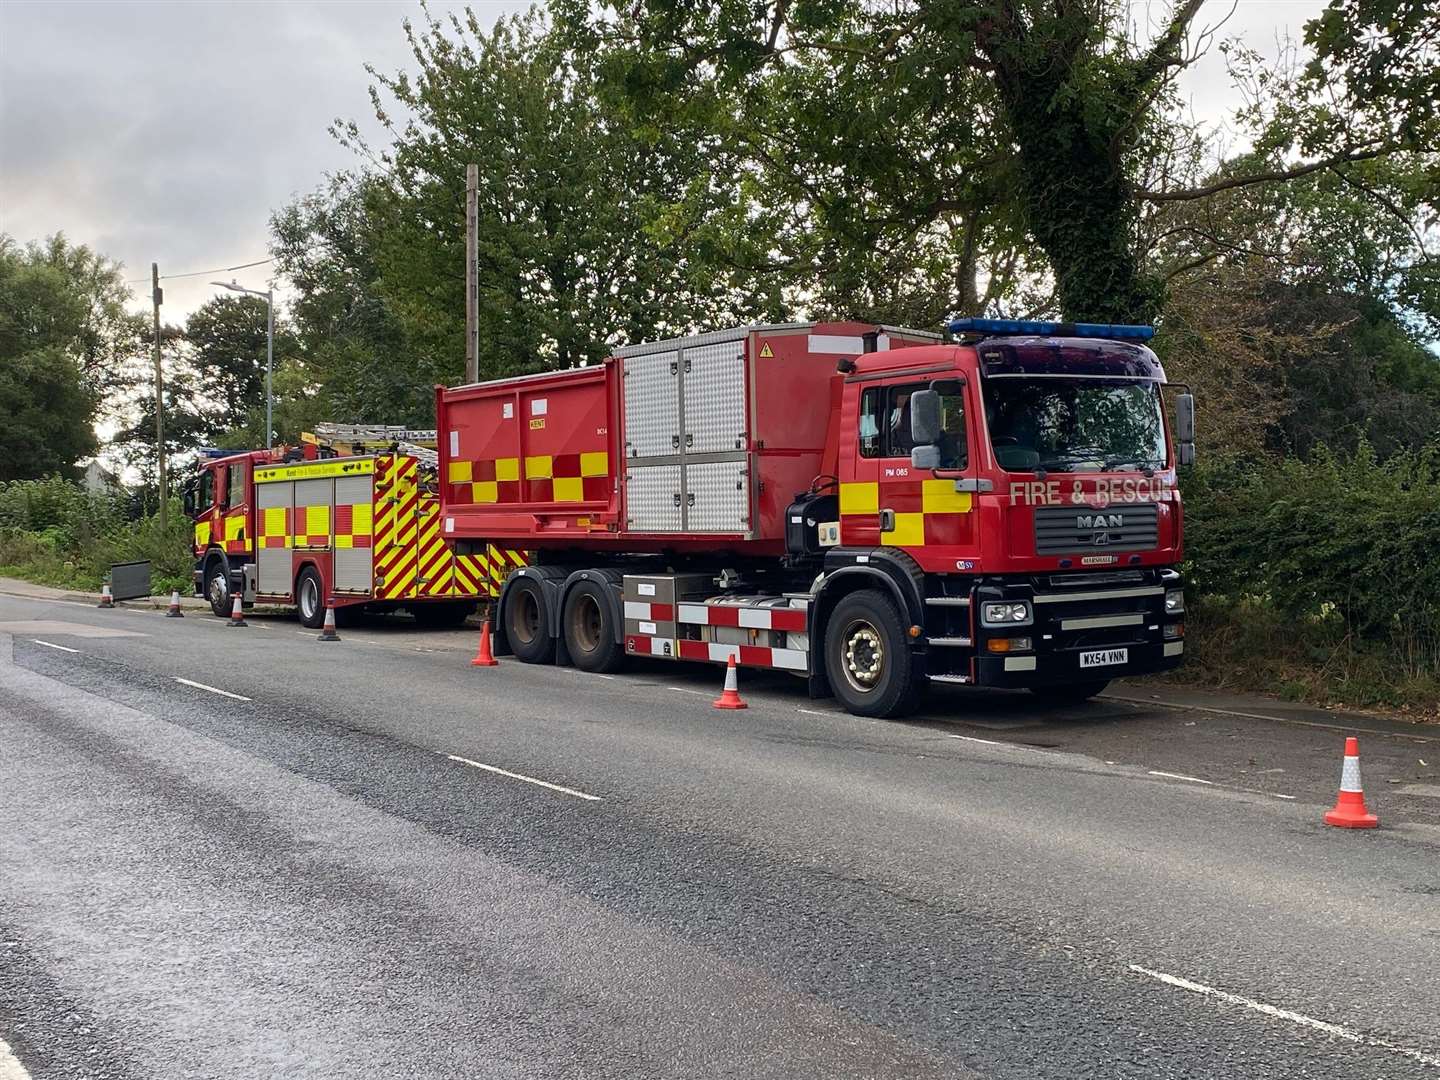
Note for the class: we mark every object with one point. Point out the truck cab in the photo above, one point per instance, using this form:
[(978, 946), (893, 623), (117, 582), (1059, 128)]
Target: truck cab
[(218, 500), (1024, 481)]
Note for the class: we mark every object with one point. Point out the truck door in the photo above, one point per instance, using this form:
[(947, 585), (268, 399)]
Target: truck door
[(234, 518)]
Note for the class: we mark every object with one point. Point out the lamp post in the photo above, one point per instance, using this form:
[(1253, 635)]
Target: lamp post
[(269, 295)]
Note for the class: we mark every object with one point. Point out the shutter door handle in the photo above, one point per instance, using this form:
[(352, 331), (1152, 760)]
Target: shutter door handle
[(887, 520)]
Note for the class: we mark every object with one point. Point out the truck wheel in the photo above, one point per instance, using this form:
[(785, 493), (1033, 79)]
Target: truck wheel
[(310, 598), (867, 657), (1070, 693), (217, 587), (527, 622), (589, 629)]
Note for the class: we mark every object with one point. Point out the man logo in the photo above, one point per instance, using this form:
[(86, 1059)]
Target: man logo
[(1099, 521)]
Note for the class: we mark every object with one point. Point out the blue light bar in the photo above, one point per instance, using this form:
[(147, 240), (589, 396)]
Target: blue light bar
[(999, 327)]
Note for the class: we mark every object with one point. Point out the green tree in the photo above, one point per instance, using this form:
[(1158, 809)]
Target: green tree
[(574, 254), (64, 334), (226, 351), (1001, 116)]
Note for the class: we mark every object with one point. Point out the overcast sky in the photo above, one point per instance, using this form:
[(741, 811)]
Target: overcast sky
[(168, 131)]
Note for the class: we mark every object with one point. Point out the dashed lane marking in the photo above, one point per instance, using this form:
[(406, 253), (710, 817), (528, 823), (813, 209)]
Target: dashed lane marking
[(1337, 1030), (10, 1067), (212, 689), (52, 645), (1180, 776), (520, 776), (687, 690)]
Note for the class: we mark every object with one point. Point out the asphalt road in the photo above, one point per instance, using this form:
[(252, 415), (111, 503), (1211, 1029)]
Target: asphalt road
[(376, 860)]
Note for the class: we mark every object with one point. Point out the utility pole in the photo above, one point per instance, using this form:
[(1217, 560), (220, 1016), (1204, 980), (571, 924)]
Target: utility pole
[(472, 276), (156, 296)]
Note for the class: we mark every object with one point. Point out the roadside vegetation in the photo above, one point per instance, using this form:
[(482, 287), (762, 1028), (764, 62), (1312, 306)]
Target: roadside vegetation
[(648, 169)]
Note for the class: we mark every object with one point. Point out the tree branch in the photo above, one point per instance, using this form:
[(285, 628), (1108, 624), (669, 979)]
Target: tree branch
[(1272, 176), (1164, 53)]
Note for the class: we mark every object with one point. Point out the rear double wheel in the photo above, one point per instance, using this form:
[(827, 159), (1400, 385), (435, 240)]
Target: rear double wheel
[(527, 622), (867, 656), (590, 631)]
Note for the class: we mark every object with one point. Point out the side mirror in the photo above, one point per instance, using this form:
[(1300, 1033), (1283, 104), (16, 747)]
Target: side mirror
[(187, 499), (924, 417), (1185, 428), (925, 457)]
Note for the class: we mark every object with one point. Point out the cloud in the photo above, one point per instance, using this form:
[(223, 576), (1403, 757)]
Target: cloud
[(171, 131)]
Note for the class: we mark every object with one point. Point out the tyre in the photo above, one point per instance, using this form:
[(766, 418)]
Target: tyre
[(527, 622), (443, 615), (310, 598), (590, 629), (217, 587), (1070, 693), (867, 656)]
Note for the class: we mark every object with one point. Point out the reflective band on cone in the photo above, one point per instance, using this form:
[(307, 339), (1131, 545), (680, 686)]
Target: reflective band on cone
[(237, 613), (730, 697), (327, 632), (483, 656), (174, 611), (106, 600), (1349, 811)]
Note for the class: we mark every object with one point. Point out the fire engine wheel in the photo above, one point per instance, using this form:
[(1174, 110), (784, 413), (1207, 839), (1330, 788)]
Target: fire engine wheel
[(527, 622), (589, 629), (310, 598), (217, 588), (1070, 693), (867, 656)]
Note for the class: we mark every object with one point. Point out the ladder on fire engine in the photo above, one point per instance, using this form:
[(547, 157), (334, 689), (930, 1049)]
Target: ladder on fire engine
[(419, 443)]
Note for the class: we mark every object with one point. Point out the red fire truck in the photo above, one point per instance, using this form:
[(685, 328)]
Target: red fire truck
[(313, 526), (868, 507)]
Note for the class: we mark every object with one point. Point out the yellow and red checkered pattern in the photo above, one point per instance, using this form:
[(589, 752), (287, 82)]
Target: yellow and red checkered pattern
[(926, 511), (561, 478), (275, 527)]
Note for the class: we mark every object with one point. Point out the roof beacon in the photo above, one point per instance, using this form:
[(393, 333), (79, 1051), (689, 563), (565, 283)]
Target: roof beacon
[(998, 327)]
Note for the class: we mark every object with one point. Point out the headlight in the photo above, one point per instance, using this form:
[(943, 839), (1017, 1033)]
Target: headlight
[(1007, 613), (1174, 601)]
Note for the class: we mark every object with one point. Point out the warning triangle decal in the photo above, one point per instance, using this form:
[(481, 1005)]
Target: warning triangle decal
[(765, 353)]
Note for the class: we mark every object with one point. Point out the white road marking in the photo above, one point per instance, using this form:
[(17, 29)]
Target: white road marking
[(527, 779), (1153, 703), (212, 689), (10, 1067), (820, 712), (52, 645), (1337, 1030), (686, 690), (1181, 776), (972, 738), (1277, 795)]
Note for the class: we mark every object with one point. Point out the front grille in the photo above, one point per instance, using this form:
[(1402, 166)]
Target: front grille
[(1061, 530)]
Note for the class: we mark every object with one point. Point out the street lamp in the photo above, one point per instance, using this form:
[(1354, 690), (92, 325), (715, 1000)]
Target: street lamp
[(269, 295)]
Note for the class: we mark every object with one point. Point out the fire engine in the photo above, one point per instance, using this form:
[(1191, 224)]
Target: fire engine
[(350, 518), (868, 507)]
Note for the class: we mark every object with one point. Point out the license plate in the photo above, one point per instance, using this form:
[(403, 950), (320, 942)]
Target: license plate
[(1104, 657)]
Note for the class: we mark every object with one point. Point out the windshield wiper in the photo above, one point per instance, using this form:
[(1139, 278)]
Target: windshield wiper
[(1146, 466)]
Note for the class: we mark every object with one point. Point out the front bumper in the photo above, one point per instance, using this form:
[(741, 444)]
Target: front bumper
[(1075, 617), (1063, 667)]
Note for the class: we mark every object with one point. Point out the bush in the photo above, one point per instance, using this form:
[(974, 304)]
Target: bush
[(55, 532), (1335, 553)]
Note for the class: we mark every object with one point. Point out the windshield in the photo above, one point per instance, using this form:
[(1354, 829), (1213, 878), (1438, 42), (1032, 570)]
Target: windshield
[(1064, 424)]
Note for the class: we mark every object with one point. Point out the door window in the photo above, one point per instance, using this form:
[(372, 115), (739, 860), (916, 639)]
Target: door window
[(235, 496), (206, 498), (885, 424)]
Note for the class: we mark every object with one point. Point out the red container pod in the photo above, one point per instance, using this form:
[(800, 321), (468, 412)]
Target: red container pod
[(692, 443)]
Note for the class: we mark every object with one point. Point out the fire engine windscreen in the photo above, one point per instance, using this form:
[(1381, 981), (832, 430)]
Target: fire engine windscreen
[(1062, 424)]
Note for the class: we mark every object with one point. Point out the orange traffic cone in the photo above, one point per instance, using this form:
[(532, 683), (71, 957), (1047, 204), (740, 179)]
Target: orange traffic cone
[(237, 613), (106, 600), (1349, 811), (327, 632), (730, 697), (483, 656), (173, 611)]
